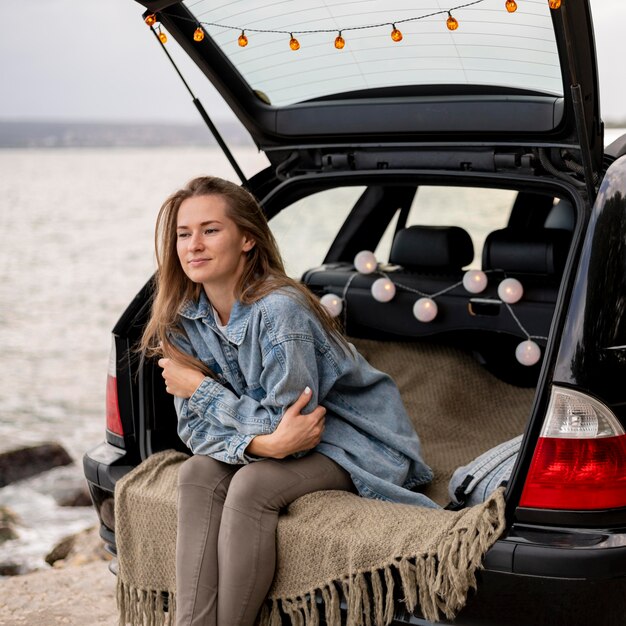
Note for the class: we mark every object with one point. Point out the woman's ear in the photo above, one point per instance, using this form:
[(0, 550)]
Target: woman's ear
[(248, 243)]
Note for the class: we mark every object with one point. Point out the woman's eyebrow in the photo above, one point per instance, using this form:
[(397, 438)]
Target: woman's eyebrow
[(182, 226)]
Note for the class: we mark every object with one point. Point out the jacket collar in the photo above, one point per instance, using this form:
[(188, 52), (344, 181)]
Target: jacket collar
[(202, 310)]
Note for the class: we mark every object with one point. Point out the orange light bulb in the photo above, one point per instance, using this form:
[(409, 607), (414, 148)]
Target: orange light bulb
[(294, 44), (511, 6), (151, 19), (396, 35), (198, 34), (451, 23), (340, 42), (554, 4), (163, 37)]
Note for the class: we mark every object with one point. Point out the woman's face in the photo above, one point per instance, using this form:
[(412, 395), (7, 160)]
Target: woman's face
[(211, 248)]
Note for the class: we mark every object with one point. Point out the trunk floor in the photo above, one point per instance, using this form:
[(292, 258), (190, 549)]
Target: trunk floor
[(458, 408)]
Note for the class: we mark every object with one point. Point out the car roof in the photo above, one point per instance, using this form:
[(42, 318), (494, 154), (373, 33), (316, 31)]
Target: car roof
[(499, 76)]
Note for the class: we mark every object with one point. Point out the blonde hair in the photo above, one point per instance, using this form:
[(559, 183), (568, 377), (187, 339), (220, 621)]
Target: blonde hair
[(263, 270)]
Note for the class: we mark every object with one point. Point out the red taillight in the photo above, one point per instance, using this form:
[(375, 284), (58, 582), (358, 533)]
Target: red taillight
[(114, 420), (580, 459), (577, 474)]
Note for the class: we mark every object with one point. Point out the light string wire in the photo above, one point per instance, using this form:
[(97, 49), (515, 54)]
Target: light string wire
[(432, 296), (332, 30), (417, 291)]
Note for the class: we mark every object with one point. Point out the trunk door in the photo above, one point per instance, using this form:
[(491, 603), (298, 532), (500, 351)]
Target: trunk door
[(500, 77)]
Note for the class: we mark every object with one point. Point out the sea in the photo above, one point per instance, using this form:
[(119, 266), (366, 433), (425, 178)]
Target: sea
[(76, 245)]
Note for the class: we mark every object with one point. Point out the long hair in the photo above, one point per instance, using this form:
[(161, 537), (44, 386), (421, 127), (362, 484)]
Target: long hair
[(263, 270)]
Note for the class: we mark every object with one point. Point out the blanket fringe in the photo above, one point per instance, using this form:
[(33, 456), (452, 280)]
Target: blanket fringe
[(436, 582), (144, 607)]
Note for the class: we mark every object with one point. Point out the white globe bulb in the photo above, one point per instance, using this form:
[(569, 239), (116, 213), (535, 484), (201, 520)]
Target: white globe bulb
[(365, 262), (510, 290), (475, 281), (425, 309), (383, 290), (528, 352), (332, 303)]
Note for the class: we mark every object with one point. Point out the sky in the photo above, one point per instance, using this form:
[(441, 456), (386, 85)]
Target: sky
[(89, 60)]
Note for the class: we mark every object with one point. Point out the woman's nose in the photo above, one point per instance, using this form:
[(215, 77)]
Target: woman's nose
[(195, 241)]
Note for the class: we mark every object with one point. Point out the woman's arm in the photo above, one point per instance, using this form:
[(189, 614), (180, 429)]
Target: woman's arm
[(296, 432)]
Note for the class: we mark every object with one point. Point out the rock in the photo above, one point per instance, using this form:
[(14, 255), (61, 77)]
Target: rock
[(22, 463), (10, 569), (8, 521), (80, 497), (83, 547), (61, 550)]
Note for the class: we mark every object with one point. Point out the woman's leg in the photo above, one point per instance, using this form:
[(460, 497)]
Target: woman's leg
[(247, 536), (202, 486)]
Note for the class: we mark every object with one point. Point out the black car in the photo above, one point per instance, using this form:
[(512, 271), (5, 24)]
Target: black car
[(408, 127)]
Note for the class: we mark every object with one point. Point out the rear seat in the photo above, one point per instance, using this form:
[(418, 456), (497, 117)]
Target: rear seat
[(430, 259)]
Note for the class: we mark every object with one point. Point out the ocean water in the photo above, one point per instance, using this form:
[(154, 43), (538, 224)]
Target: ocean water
[(76, 244)]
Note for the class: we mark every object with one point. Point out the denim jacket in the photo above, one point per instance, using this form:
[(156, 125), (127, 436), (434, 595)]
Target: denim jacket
[(273, 349)]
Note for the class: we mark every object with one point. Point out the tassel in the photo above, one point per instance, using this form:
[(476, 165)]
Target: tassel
[(389, 603), (377, 593)]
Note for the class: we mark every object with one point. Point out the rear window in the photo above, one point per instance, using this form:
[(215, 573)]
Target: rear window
[(490, 48)]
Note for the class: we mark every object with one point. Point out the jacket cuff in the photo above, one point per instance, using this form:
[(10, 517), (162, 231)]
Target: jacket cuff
[(207, 391), (237, 447)]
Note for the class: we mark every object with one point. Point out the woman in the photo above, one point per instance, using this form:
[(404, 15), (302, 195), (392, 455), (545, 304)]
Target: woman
[(249, 356)]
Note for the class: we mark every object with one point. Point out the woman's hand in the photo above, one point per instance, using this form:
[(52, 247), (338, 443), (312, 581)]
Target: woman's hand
[(180, 380), (296, 431)]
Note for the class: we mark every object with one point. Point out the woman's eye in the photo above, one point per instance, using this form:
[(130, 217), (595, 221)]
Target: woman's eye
[(208, 231), (183, 235)]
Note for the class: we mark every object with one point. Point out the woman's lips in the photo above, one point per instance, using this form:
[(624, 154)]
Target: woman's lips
[(196, 262)]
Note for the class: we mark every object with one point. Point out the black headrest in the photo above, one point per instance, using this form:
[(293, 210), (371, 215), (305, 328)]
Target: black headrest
[(432, 248), (541, 252)]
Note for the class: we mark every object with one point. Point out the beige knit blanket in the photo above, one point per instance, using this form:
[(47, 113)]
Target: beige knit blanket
[(334, 543)]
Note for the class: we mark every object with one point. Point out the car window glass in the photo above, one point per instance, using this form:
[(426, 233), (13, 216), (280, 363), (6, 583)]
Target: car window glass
[(306, 229), (490, 48), (478, 211)]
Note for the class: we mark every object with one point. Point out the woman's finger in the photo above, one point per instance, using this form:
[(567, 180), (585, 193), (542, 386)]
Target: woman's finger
[(301, 402)]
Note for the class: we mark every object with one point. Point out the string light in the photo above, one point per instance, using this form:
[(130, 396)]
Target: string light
[(396, 35), (554, 4), (451, 22), (425, 309), (151, 19), (365, 262), (339, 42), (294, 44), (510, 290), (475, 281), (383, 290), (332, 303), (198, 34), (162, 37), (528, 352)]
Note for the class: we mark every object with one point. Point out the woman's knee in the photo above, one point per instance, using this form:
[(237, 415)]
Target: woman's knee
[(254, 485), (204, 471)]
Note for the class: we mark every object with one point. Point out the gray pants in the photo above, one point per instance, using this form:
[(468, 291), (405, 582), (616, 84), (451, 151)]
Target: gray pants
[(226, 542)]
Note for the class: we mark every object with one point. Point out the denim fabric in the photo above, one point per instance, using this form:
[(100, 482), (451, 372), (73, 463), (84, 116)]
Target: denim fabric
[(484, 474), (275, 348)]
